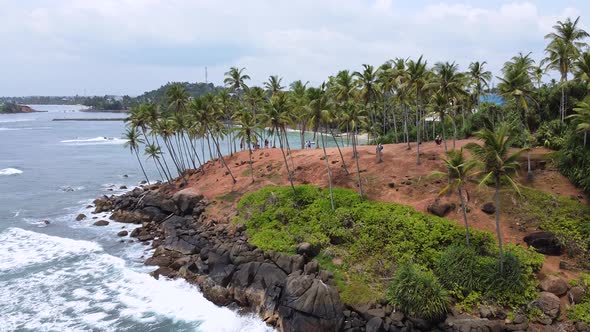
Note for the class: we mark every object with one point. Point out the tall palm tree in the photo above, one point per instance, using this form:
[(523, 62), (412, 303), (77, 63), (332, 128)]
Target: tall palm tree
[(367, 82), (479, 77), (582, 68), (276, 117), (154, 152), (273, 85), (499, 166), (459, 171), (417, 79), (246, 133), (564, 46), (355, 117), (582, 117), (133, 141), (517, 85), (449, 82), (235, 79), (298, 101)]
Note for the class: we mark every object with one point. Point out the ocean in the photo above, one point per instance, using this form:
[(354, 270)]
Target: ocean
[(59, 274)]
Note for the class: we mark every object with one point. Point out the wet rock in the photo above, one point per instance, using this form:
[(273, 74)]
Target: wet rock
[(555, 285), (81, 217), (439, 208), (545, 243), (489, 208), (464, 323), (101, 223), (156, 199), (123, 233), (123, 187)]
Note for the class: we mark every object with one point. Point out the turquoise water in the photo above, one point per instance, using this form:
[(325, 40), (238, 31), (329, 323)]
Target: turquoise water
[(69, 275)]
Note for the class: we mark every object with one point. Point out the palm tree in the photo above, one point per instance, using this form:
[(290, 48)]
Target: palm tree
[(459, 171), (582, 117), (417, 79), (235, 79), (517, 85), (582, 68), (354, 117), (276, 117), (298, 102), (273, 85), (449, 82), (154, 152), (133, 141), (498, 165), (367, 82), (564, 46), (246, 133), (479, 78)]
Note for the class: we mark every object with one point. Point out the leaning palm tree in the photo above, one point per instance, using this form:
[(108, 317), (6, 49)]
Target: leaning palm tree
[(417, 79), (499, 166), (246, 133), (355, 118), (154, 152), (133, 141), (564, 46), (582, 117), (459, 171)]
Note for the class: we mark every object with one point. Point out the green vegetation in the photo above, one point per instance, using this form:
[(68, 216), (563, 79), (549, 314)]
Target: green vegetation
[(566, 217), (370, 240), (9, 108), (418, 292), (581, 311)]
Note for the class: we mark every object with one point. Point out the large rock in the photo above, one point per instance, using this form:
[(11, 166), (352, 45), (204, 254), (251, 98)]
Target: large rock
[(310, 305), (544, 242), (489, 208), (555, 285), (548, 303), (159, 200), (186, 202), (101, 223), (307, 250), (576, 294), (464, 323), (375, 325), (81, 217), (439, 208)]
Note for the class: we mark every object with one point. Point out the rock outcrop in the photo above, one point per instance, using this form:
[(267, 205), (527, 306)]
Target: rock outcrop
[(545, 243)]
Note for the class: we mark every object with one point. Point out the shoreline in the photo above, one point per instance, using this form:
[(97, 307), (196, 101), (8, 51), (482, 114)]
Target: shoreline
[(288, 292)]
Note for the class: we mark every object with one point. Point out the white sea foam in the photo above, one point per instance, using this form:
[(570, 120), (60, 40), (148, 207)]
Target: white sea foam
[(81, 287), (10, 171), (95, 141), (21, 128), (16, 120)]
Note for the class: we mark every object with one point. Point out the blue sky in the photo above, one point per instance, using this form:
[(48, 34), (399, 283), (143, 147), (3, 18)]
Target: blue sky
[(66, 47)]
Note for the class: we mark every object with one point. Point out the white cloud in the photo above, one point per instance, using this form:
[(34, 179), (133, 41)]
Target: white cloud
[(57, 46)]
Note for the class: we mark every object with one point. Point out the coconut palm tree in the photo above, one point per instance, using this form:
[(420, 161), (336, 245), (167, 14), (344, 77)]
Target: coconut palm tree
[(417, 79), (449, 83), (276, 118), (235, 79), (582, 117), (582, 68), (133, 142), (246, 133), (499, 166), (154, 152), (459, 171), (479, 77), (354, 117), (298, 102), (273, 85), (564, 46)]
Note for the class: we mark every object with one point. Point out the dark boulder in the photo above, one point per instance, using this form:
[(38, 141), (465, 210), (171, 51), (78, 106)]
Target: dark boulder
[(554, 284), (186, 202), (101, 223), (156, 199), (545, 243), (576, 294), (489, 208), (81, 217), (307, 250), (439, 208), (308, 304), (123, 233), (375, 325), (549, 304)]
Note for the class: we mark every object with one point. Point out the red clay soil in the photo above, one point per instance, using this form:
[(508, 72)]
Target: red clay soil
[(397, 179)]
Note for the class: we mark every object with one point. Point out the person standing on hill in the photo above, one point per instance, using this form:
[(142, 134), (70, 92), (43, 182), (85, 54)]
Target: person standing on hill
[(378, 149)]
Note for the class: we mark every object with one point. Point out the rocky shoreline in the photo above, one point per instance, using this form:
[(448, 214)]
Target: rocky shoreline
[(289, 292)]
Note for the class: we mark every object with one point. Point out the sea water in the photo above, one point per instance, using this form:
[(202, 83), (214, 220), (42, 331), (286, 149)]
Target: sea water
[(58, 274)]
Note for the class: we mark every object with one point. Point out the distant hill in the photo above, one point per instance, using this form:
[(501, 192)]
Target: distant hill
[(197, 89), (8, 108)]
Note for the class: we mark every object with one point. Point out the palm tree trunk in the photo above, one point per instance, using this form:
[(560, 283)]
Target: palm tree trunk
[(497, 198), (442, 121), (159, 172), (358, 169), (250, 155), (163, 157), (329, 172), (340, 152), (562, 106), (169, 179), (395, 126), (141, 166), (464, 208), (454, 132), (289, 149), (585, 137), (407, 134), (216, 143), (417, 133), (286, 163)]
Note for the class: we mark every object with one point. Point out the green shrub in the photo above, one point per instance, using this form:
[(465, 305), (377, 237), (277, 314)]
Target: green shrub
[(551, 134), (458, 270), (580, 312), (418, 292)]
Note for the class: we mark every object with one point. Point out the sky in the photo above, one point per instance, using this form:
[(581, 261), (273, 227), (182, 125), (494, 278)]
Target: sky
[(97, 47)]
